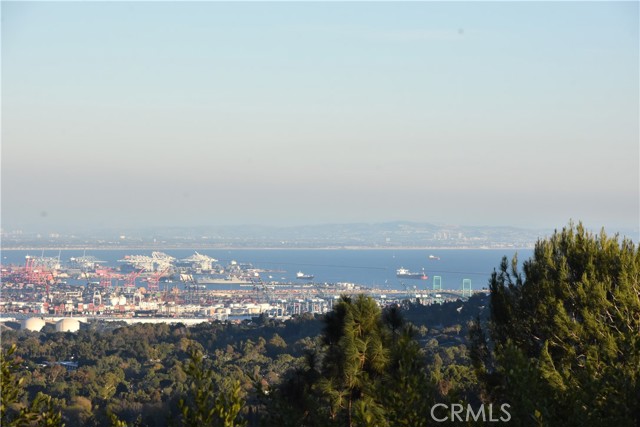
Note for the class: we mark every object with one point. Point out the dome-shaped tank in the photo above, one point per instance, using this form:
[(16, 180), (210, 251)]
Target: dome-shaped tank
[(114, 301), (33, 324), (68, 325), (122, 300)]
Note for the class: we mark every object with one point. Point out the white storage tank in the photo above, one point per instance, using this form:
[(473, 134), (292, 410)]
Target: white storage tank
[(34, 324), (68, 325)]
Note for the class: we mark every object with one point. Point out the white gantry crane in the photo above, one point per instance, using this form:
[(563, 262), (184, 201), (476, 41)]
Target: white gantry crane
[(200, 262), (158, 261)]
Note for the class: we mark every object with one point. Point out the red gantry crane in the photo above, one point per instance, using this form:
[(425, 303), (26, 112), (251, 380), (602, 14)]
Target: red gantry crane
[(37, 273), (154, 279), (130, 280), (106, 275)]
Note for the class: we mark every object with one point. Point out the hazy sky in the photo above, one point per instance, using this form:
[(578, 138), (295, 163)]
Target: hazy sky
[(135, 113)]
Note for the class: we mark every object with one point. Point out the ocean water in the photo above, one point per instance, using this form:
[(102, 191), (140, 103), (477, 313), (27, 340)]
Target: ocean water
[(372, 268)]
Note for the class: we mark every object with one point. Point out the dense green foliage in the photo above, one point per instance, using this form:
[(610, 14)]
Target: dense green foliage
[(371, 371), (162, 374), (13, 410), (138, 374), (566, 333), (205, 406), (559, 342)]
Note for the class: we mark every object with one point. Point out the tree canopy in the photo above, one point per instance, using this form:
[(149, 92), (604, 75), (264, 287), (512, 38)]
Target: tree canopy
[(566, 331)]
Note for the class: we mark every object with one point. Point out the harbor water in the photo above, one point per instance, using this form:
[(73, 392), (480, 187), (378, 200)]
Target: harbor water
[(368, 267)]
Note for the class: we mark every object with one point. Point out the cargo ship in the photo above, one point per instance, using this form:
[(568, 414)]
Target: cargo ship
[(403, 273), (302, 276), (228, 280)]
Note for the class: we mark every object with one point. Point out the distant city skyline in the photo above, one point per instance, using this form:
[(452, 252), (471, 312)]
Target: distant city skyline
[(134, 114)]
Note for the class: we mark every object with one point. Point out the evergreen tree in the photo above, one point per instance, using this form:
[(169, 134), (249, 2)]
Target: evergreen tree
[(408, 391), (567, 332), (205, 405), (355, 362)]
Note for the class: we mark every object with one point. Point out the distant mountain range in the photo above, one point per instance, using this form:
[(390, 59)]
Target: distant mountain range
[(356, 235)]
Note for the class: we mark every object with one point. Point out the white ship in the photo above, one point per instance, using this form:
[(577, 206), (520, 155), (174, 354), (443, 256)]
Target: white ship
[(302, 276)]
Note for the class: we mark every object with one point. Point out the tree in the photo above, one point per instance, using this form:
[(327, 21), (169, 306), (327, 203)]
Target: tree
[(566, 332), (408, 390), (42, 411), (205, 405), (294, 403), (355, 361)]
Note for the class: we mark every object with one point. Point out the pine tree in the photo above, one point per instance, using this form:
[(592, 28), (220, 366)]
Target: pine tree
[(355, 362), (408, 390), (567, 331), (206, 405)]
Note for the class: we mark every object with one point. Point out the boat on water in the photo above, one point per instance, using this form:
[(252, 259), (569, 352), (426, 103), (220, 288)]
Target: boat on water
[(433, 257), (302, 276), (228, 280), (403, 273)]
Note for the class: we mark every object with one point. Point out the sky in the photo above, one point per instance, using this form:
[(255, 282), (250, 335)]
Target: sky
[(131, 114)]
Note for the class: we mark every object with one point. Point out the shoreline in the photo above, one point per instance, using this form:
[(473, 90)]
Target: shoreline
[(252, 248)]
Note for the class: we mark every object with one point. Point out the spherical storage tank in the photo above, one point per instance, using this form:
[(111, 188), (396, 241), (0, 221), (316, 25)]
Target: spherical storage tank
[(68, 325), (33, 324)]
